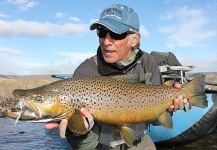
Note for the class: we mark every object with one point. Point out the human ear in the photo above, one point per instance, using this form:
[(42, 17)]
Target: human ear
[(136, 40)]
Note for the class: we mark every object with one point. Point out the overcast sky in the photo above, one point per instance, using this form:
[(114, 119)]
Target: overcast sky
[(53, 36)]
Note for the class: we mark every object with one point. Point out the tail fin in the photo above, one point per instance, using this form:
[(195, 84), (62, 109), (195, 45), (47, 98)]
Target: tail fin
[(195, 92)]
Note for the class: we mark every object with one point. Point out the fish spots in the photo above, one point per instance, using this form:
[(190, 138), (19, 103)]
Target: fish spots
[(112, 97), (78, 100)]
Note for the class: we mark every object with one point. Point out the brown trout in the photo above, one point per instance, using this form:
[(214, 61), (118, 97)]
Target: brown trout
[(112, 100)]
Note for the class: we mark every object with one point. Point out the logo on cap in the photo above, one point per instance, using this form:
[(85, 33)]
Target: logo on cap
[(112, 11)]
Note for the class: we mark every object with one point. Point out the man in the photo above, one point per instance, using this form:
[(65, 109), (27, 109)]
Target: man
[(118, 53)]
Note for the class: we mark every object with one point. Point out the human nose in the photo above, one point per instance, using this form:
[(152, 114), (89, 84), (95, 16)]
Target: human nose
[(107, 40)]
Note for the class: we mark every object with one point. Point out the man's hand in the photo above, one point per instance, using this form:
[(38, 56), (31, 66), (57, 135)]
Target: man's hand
[(179, 102), (88, 118)]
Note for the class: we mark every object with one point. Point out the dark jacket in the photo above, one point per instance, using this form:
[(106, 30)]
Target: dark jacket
[(144, 65), (96, 66)]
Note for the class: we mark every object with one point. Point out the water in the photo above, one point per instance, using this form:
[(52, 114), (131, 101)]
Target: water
[(26, 136)]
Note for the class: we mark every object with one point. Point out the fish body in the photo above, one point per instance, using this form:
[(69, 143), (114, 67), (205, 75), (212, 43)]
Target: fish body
[(112, 100)]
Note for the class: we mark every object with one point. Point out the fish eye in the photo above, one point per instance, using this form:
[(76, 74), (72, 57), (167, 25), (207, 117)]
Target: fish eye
[(38, 98)]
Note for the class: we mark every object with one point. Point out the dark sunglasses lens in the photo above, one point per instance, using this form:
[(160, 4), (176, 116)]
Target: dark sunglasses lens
[(102, 34), (117, 36)]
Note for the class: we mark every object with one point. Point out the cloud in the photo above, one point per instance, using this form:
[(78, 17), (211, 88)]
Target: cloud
[(17, 64), (64, 17), (189, 28), (68, 66), (169, 1), (143, 31), (167, 16), (74, 19), (21, 28), (75, 57), (203, 62), (2, 15), (7, 65), (8, 51), (13, 59), (202, 65), (93, 20), (23, 4), (60, 15), (212, 6)]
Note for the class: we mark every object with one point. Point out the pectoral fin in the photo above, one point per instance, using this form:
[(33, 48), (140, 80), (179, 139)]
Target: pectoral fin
[(166, 120), (77, 123), (128, 135), (117, 131)]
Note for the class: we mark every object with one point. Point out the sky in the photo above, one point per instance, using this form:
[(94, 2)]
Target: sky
[(41, 37)]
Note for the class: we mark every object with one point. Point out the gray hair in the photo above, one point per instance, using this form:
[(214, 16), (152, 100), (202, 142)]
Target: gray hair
[(131, 36)]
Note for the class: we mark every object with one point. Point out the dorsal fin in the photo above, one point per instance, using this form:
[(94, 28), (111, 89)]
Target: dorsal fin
[(132, 78), (169, 83)]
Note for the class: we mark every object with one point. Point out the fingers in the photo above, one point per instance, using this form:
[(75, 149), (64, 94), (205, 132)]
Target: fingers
[(181, 102), (175, 105), (85, 112), (51, 125), (176, 102), (62, 128), (187, 105), (177, 85), (89, 122), (171, 108)]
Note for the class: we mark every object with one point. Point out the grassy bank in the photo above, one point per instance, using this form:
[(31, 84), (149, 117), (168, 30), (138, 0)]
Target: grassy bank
[(7, 85)]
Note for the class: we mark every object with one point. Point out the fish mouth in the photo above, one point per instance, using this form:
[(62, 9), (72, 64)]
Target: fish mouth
[(28, 111), (31, 111), (27, 114)]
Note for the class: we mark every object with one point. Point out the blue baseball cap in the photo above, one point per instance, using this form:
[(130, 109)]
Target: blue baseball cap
[(117, 18)]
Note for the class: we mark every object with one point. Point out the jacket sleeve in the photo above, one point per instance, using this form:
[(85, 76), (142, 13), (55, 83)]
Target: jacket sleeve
[(151, 67), (88, 68), (87, 141), (156, 78)]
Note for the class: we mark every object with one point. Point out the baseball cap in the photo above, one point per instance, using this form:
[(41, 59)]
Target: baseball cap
[(117, 18)]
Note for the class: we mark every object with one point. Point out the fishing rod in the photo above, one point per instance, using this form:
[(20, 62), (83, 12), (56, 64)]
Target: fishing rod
[(210, 83), (61, 76)]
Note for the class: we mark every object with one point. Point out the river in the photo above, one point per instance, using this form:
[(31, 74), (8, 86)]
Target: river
[(26, 136)]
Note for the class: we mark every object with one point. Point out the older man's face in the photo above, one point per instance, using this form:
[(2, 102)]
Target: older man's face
[(114, 51)]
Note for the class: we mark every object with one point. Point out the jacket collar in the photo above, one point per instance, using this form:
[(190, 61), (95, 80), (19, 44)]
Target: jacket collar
[(105, 68)]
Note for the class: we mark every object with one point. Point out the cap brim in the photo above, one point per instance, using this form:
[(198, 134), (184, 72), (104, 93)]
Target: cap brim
[(112, 25)]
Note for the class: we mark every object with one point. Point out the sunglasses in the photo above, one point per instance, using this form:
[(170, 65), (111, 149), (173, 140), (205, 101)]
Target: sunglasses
[(102, 32)]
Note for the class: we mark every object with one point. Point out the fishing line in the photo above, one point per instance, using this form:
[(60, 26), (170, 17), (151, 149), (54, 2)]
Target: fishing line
[(21, 104)]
